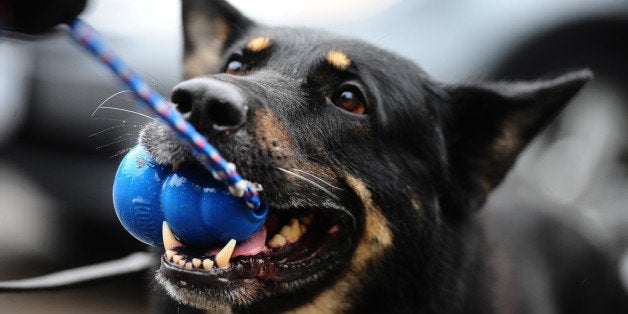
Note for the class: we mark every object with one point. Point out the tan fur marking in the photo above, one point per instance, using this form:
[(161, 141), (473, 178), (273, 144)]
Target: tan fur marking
[(338, 59), (503, 152), (272, 134), (375, 241), (415, 204), (509, 140), (258, 44), (207, 39), (273, 137)]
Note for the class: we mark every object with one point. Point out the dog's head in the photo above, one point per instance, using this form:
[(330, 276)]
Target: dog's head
[(381, 166)]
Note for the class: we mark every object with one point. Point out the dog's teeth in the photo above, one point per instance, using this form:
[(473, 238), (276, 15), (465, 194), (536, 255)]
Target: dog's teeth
[(292, 231), (196, 262), (303, 228), (169, 255), (277, 241), (188, 265), (182, 263), (208, 264), (176, 259), (168, 237), (222, 258), (307, 218)]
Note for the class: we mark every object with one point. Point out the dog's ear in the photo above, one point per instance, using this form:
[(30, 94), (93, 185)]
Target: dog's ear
[(492, 123), (209, 27)]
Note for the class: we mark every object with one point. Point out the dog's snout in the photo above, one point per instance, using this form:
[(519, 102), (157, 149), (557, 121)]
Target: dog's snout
[(213, 105)]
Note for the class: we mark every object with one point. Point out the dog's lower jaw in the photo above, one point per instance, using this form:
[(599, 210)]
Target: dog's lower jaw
[(254, 294), (212, 300)]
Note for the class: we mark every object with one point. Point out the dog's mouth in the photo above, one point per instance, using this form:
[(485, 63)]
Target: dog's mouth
[(296, 246), (290, 246)]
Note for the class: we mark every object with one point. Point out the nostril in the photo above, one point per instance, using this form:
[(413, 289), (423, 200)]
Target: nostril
[(225, 115), (183, 99), (212, 105)]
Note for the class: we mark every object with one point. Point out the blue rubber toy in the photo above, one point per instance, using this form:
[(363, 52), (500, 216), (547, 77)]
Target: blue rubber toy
[(199, 210)]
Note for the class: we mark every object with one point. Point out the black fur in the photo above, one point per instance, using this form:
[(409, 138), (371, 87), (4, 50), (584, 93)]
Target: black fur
[(429, 153)]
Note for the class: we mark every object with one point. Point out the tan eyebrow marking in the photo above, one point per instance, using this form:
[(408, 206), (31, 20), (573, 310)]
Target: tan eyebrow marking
[(338, 59), (258, 44)]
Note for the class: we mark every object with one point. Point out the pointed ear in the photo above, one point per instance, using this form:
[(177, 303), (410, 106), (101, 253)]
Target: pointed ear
[(209, 27), (492, 123)]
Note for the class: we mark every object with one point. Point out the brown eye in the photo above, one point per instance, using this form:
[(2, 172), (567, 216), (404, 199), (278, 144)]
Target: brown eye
[(349, 101), (234, 67)]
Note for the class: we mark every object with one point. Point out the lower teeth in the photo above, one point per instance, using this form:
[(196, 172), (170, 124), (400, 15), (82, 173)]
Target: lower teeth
[(181, 261), (288, 234)]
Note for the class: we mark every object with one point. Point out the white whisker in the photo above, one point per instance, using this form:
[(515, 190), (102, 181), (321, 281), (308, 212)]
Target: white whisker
[(116, 108), (120, 152), (122, 138), (318, 179), (343, 210), (127, 110), (116, 120), (114, 127), (108, 98), (310, 182)]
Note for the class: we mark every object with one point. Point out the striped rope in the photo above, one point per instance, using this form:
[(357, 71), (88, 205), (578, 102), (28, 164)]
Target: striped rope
[(202, 149)]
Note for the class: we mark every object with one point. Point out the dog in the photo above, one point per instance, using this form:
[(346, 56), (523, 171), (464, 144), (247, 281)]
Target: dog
[(374, 174)]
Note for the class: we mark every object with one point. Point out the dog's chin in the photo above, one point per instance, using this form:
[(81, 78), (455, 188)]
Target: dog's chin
[(211, 299), (295, 268)]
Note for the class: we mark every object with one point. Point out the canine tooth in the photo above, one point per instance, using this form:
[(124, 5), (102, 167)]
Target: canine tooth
[(176, 165), (292, 231), (277, 241), (188, 265), (182, 263), (169, 255), (176, 258), (208, 264), (168, 237), (303, 228), (307, 218), (222, 258), (196, 262)]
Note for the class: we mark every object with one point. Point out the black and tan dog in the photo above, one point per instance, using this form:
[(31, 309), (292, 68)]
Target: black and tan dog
[(374, 175)]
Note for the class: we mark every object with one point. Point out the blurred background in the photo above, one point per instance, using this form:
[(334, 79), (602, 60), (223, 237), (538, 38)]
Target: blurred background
[(64, 124)]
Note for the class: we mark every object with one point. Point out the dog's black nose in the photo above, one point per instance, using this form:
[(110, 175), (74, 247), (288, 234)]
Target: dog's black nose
[(213, 105)]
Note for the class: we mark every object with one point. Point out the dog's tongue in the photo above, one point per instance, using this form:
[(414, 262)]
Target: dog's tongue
[(251, 246)]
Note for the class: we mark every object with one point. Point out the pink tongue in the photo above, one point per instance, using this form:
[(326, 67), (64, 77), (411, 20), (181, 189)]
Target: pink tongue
[(251, 246)]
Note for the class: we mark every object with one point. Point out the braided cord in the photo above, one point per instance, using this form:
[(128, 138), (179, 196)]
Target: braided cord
[(201, 148)]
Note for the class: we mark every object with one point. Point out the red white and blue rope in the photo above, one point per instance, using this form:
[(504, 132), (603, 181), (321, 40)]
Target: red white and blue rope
[(202, 149)]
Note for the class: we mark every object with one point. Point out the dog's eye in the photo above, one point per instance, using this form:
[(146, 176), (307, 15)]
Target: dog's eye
[(349, 101), (234, 67)]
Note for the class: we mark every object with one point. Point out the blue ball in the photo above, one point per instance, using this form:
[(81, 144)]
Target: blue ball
[(137, 194), (199, 210)]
